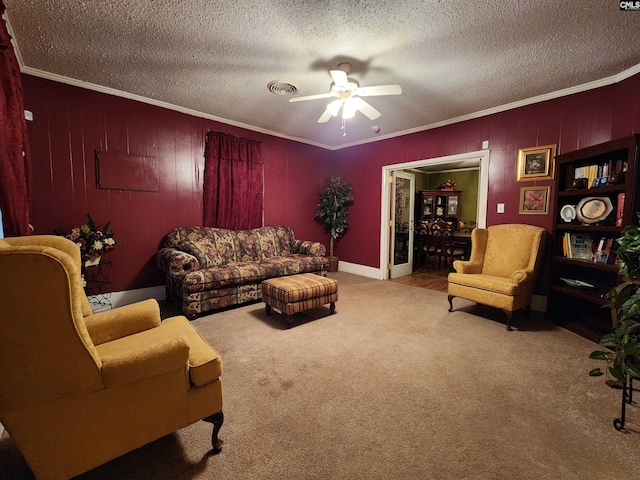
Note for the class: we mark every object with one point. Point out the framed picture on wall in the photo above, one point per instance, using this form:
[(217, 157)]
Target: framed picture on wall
[(536, 163), (534, 200)]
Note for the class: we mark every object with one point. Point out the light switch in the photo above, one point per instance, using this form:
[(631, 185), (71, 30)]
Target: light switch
[(500, 208), (485, 144)]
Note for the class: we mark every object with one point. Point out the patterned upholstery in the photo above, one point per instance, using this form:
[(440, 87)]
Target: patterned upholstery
[(298, 293), (211, 268)]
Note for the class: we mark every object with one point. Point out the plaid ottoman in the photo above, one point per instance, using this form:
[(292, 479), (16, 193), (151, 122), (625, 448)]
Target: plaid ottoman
[(297, 293)]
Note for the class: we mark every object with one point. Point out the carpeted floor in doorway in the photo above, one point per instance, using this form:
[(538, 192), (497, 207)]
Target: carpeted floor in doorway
[(394, 387)]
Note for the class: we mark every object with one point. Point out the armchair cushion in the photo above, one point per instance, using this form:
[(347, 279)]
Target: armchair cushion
[(126, 320), (143, 355), (508, 249)]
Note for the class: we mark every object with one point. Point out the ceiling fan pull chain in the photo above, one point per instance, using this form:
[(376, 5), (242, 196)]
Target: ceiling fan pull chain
[(344, 128)]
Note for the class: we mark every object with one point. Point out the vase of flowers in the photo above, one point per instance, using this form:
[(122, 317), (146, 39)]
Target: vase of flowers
[(92, 240)]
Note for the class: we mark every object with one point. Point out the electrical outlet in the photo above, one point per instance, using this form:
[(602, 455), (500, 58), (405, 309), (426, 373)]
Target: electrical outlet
[(500, 208)]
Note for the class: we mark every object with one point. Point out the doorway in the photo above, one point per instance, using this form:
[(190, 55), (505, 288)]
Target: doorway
[(479, 159)]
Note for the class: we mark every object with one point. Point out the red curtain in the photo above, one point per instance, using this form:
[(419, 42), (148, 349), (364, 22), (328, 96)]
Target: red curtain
[(15, 158), (233, 176)]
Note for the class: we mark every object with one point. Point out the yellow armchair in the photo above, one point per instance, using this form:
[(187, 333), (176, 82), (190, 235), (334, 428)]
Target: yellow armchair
[(502, 270), (78, 389)]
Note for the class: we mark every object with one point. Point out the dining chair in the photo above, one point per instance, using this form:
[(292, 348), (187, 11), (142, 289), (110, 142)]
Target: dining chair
[(446, 251)]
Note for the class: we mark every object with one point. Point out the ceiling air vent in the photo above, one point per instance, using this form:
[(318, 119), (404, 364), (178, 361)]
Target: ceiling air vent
[(282, 88)]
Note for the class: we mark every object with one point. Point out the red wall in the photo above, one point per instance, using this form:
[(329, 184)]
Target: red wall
[(70, 123), (571, 122)]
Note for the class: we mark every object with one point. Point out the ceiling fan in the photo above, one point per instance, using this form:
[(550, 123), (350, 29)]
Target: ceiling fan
[(347, 92)]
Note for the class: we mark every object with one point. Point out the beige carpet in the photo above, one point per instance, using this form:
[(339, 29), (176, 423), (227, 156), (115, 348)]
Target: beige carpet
[(394, 387)]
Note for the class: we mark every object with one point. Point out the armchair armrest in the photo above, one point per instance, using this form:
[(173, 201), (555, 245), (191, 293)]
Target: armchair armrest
[(123, 321), (521, 276), (305, 247), (126, 362), (176, 263), (467, 266)]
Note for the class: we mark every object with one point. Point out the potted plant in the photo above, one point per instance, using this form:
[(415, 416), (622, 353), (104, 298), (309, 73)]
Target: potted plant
[(623, 354), (333, 213)]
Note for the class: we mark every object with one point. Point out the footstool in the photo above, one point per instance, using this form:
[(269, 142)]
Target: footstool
[(297, 293)]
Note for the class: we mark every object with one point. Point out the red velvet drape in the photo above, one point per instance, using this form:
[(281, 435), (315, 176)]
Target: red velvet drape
[(233, 176), (15, 166)]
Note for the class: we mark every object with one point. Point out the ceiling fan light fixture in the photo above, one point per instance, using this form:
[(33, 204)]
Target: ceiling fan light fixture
[(350, 108)]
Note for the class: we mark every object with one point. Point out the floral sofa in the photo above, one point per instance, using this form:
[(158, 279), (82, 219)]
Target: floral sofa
[(211, 268)]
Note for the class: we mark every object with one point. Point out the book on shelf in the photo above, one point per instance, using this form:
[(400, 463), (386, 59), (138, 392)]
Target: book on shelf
[(579, 246)]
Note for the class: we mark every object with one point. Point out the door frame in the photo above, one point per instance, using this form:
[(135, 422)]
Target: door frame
[(481, 156)]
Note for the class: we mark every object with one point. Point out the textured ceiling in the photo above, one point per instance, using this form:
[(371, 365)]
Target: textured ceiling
[(453, 59)]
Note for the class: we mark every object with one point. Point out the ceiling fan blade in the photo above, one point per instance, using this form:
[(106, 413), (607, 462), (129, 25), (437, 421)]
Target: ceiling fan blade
[(313, 97), (379, 90), (325, 117), (339, 78), (366, 109)]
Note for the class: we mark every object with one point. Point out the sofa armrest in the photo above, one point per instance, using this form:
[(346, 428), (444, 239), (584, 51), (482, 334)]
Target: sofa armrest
[(466, 266), (305, 247), (124, 363), (123, 321), (176, 263)]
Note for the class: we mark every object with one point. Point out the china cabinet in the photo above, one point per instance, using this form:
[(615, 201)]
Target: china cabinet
[(435, 205)]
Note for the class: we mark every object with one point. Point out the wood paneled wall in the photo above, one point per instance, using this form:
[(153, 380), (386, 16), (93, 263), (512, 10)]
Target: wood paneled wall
[(571, 122), (70, 123)]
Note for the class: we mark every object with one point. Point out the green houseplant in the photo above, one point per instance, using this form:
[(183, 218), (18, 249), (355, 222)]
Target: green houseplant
[(333, 213), (623, 344)]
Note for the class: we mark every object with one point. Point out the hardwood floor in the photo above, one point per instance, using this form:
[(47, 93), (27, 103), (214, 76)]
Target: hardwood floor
[(430, 278)]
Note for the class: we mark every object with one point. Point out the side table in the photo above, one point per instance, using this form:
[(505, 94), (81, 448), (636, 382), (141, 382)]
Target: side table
[(97, 278)]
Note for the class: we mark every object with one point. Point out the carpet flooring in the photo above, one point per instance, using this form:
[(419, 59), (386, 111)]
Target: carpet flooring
[(393, 387)]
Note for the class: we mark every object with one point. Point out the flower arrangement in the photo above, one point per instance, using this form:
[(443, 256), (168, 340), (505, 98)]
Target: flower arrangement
[(92, 240)]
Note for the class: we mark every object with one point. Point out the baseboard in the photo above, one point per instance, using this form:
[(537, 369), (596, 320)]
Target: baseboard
[(363, 270), (127, 297)]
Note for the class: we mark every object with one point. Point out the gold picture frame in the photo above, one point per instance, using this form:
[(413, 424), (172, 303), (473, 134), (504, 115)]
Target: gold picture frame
[(534, 200), (536, 163)]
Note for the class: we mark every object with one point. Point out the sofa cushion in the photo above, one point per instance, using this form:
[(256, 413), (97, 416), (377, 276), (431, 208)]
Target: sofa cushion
[(204, 250), (225, 242), (248, 251), (236, 273), (285, 238), (266, 242), (293, 264)]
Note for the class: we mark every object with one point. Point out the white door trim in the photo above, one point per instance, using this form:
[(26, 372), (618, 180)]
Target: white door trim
[(482, 156)]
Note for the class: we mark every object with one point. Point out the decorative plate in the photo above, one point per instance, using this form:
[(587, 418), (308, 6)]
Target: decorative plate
[(568, 213), (593, 209)]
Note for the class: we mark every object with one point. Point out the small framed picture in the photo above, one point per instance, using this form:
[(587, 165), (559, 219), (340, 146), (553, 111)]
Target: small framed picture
[(534, 200), (536, 163)]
